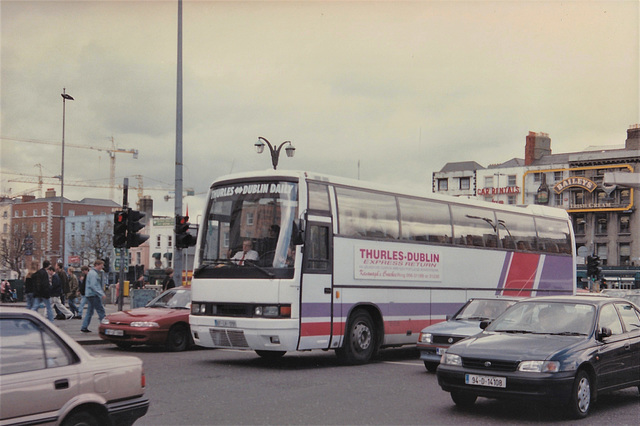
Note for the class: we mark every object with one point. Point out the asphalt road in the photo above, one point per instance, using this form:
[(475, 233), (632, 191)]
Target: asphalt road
[(214, 387)]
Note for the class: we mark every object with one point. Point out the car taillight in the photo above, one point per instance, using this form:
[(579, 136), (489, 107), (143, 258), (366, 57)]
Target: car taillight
[(143, 380)]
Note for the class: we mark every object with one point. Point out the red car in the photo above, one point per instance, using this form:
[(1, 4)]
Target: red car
[(163, 321)]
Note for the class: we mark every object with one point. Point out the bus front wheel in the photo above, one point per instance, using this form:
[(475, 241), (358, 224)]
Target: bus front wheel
[(360, 340)]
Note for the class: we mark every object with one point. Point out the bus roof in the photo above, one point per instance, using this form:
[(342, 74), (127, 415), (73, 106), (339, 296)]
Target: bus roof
[(533, 209)]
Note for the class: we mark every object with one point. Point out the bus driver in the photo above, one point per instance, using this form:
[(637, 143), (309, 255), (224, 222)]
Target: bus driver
[(245, 254)]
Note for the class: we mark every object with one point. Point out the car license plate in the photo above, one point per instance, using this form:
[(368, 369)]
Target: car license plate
[(440, 351), (490, 381), (110, 332), (225, 323)]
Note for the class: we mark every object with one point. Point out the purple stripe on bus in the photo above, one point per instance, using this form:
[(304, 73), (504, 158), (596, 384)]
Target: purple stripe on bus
[(503, 274), (557, 271)]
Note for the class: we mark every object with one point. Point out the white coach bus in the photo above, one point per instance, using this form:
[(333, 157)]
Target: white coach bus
[(333, 263)]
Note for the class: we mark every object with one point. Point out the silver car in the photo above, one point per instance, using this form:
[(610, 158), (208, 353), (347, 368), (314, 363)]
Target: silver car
[(48, 378)]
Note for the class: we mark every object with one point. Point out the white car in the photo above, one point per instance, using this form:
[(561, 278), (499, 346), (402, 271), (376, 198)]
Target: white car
[(46, 377)]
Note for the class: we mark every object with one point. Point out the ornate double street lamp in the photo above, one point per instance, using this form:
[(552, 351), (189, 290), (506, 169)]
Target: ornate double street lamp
[(65, 97), (275, 152)]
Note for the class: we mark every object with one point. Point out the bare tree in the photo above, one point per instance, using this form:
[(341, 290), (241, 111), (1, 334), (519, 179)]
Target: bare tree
[(94, 242), (12, 252)]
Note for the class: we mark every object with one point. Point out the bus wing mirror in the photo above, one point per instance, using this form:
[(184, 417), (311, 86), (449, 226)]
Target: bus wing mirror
[(298, 232)]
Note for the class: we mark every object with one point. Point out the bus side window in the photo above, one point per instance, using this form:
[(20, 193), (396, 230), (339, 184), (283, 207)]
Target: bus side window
[(317, 249)]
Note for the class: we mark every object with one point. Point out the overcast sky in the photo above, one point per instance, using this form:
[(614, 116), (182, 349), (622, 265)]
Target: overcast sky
[(401, 88)]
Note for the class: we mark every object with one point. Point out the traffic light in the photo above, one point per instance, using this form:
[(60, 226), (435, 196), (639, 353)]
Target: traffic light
[(120, 229), (593, 266), (183, 238), (133, 226)]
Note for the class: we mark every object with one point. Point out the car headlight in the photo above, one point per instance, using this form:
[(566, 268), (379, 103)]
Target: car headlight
[(425, 338), (145, 324), (451, 359), (105, 320), (539, 366)]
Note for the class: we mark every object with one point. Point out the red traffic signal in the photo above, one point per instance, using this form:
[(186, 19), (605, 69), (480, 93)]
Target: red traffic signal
[(120, 228), (183, 238)]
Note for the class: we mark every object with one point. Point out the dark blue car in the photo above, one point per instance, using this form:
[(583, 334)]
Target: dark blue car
[(563, 350)]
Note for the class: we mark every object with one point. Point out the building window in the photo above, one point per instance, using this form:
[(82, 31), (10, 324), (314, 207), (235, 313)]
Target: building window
[(601, 251), (537, 177), (512, 180), (5, 214), (35, 212), (35, 227), (578, 197), (169, 240), (624, 224), (601, 224), (138, 257), (557, 176), (158, 240), (511, 199), (73, 240), (24, 213), (43, 226), (624, 250), (249, 218), (73, 227), (5, 228), (443, 184), (625, 197), (577, 173), (488, 181), (557, 199), (579, 223), (465, 183), (44, 212)]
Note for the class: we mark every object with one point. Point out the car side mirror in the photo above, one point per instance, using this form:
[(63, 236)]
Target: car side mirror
[(604, 333), (484, 324)]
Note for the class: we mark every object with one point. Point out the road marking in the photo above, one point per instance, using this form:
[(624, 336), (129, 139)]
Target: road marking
[(413, 364)]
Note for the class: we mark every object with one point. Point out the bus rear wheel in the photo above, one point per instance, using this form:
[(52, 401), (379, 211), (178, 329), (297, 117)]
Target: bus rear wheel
[(360, 340)]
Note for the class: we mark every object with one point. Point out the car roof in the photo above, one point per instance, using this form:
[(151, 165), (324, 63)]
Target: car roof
[(593, 299)]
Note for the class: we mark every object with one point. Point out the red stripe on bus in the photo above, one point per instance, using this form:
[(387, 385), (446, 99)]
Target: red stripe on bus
[(391, 327), (522, 274)]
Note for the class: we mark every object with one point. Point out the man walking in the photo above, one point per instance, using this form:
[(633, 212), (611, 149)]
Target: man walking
[(42, 289), (72, 297), (94, 293), (57, 290)]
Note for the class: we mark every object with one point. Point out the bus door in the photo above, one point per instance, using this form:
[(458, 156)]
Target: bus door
[(316, 290)]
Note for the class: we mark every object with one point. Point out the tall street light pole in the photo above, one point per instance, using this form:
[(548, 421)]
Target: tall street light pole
[(177, 252), (275, 152), (65, 98)]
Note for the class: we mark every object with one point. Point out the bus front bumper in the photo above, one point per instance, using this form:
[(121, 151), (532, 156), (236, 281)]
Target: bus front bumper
[(268, 334)]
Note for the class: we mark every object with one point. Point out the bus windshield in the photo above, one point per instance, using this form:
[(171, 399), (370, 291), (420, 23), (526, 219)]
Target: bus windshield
[(250, 224)]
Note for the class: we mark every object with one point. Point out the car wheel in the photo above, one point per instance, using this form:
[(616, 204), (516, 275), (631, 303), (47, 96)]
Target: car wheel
[(178, 338), (581, 396), (271, 354), (124, 345), (463, 399), (431, 366), (81, 418), (360, 340)]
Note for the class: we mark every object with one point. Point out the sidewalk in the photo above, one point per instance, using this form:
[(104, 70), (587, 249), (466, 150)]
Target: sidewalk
[(72, 326)]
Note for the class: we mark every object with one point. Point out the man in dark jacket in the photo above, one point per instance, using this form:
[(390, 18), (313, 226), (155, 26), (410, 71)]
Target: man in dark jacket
[(57, 283), (42, 289)]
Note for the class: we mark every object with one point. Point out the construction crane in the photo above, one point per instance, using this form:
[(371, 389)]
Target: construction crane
[(111, 151)]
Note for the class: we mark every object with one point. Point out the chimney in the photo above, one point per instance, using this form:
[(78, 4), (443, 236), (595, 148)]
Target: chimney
[(26, 198), (50, 193), (537, 146), (633, 137), (145, 205)]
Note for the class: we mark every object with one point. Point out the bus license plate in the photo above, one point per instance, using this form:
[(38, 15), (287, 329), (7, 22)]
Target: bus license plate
[(110, 332), (225, 323), (490, 381)]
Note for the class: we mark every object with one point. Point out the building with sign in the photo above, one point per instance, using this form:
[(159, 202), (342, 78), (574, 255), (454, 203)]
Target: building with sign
[(605, 216)]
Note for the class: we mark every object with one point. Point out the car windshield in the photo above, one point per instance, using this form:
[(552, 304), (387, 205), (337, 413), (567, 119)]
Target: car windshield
[(483, 309), (175, 298), (250, 224), (542, 317)]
